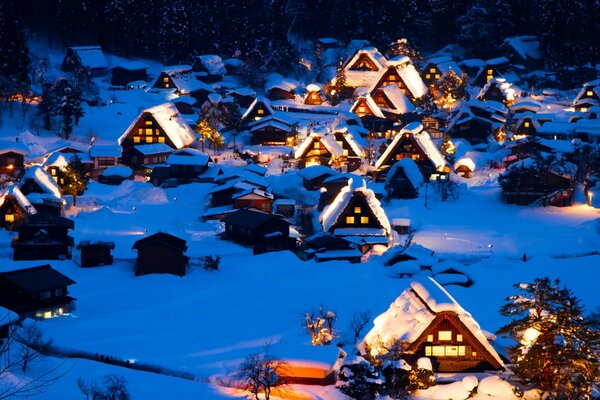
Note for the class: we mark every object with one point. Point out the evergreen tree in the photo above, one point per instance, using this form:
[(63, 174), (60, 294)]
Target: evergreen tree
[(401, 47), (556, 350), (338, 89), (14, 53), (76, 178), (450, 88), (68, 106)]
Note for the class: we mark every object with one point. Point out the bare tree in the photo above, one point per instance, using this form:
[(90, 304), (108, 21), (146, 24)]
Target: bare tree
[(18, 351), (320, 325), (115, 388), (259, 373), (359, 322)]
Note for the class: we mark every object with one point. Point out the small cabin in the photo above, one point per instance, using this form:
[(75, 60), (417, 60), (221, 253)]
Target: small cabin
[(15, 208), (36, 292), (146, 154), (436, 68), (263, 231), (104, 156), (161, 253), (187, 164), (314, 95), (161, 124), (38, 185), (43, 236), (314, 176), (95, 253), (124, 75), (433, 325), (90, 58), (464, 167), (403, 180), (406, 77), (319, 148), (223, 194), (260, 108), (590, 92), (273, 131), (254, 198), (324, 246), (12, 156)]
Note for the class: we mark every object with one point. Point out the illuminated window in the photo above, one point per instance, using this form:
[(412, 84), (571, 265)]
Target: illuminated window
[(427, 76), (437, 76), (167, 85), (584, 109), (349, 219), (345, 152), (451, 351), (260, 111), (589, 93), (314, 96), (148, 140), (459, 337), (432, 70), (430, 338), (356, 210), (392, 77), (490, 72), (364, 220), (161, 139), (427, 351), (474, 354), (53, 172), (9, 218), (149, 131), (526, 124), (316, 145), (166, 79), (148, 122), (140, 131), (48, 314), (445, 351), (437, 351), (362, 109), (62, 181), (136, 139), (445, 335)]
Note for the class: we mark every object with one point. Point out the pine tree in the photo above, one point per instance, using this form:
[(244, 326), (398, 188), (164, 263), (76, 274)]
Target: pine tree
[(14, 53), (401, 47), (337, 91), (76, 178), (556, 350), (450, 88), (68, 106)]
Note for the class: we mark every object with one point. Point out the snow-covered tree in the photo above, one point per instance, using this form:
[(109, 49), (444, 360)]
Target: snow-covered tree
[(450, 89), (337, 90), (68, 106), (401, 47), (556, 350), (76, 178)]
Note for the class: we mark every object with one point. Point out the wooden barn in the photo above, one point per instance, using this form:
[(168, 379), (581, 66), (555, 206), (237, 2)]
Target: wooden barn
[(434, 325), (319, 148), (12, 155), (43, 236), (124, 75), (356, 214), (263, 231), (403, 180), (161, 253), (273, 131), (415, 143), (36, 292), (90, 58), (95, 253), (160, 124), (260, 108), (15, 208)]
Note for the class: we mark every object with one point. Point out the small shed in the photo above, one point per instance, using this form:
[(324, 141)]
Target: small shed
[(95, 253), (264, 231), (91, 58), (122, 75), (161, 253)]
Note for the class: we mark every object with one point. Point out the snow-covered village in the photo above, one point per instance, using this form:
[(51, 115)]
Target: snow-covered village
[(299, 199)]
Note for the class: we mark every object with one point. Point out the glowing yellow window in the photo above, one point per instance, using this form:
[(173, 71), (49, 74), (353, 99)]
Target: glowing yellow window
[(430, 338), (349, 219), (53, 171), (392, 77), (260, 111), (136, 139), (161, 139), (48, 314), (364, 220), (148, 140), (9, 218), (584, 109), (490, 72), (451, 350), (148, 131), (362, 109), (589, 93), (345, 153), (427, 351), (459, 337), (165, 79), (356, 210), (526, 124), (314, 96), (445, 335), (427, 76), (141, 131), (432, 70), (148, 123), (62, 181), (437, 351), (167, 85), (437, 76), (474, 354)]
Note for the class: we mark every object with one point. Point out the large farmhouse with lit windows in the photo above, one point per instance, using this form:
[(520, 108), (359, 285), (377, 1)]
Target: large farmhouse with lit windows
[(433, 325)]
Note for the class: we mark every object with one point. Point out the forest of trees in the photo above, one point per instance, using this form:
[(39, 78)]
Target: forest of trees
[(258, 30)]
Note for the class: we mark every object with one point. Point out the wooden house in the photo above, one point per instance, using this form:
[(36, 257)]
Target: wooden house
[(525, 182), (525, 148), (319, 148), (387, 103), (332, 186), (161, 124), (589, 91), (209, 68), (364, 67), (308, 364), (497, 89), (260, 108), (127, 74), (324, 246), (405, 76), (177, 77), (476, 120), (313, 176), (90, 58), (146, 154), (36, 292), (281, 89), (115, 175), (493, 68), (560, 130), (433, 325), (273, 131), (523, 51), (584, 105), (314, 95), (223, 194), (403, 180), (263, 231), (95, 253), (437, 67), (244, 96), (464, 167), (412, 142), (56, 165), (187, 164), (356, 214), (104, 156), (526, 124), (12, 156), (285, 207), (15, 208), (41, 190), (255, 198), (43, 236), (323, 44), (161, 253), (352, 152)]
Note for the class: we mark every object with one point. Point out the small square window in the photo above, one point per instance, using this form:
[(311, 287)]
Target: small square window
[(526, 124), (459, 337), (427, 76), (148, 140), (356, 210), (349, 219), (136, 139), (166, 79), (432, 70), (490, 72), (437, 76), (9, 218), (161, 139), (148, 122), (364, 220), (430, 338), (445, 335), (589, 93)]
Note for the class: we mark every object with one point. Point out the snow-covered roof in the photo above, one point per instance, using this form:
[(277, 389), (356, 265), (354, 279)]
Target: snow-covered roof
[(332, 212), (423, 140), (508, 90), (154, 148), (314, 171), (253, 191), (58, 159), (412, 79), (13, 146), (213, 64), (43, 178), (90, 56), (497, 61), (259, 99), (118, 170), (527, 47), (465, 162), (264, 122), (106, 150), (589, 126), (526, 105), (188, 157), (184, 80), (280, 82), (7, 316), (365, 78), (349, 138), (370, 103), (398, 99), (593, 86), (326, 138), (23, 201), (413, 311), (553, 128), (168, 117), (411, 170)]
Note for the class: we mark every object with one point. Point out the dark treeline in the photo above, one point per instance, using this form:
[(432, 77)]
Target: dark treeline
[(258, 30)]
